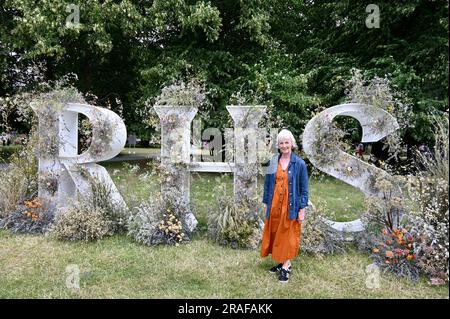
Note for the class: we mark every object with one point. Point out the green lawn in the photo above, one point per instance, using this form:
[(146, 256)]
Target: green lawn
[(344, 202), (140, 151), (34, 267), (117, 267)]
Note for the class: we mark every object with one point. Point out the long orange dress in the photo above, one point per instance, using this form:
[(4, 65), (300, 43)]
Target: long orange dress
[(281, 236)]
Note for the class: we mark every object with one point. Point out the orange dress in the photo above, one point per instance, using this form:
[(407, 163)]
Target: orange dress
[(281, 236)]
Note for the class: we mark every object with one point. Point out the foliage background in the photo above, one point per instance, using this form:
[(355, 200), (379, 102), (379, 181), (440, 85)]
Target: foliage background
[(295, 56)]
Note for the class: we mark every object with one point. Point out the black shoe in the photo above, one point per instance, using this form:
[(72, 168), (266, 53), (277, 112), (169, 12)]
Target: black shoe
[(284, 275), (276, 268)]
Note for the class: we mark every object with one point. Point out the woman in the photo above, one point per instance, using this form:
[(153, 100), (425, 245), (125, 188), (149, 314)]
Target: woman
[(286, 196)]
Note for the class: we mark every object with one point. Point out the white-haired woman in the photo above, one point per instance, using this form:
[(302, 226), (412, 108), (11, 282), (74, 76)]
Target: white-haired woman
[(286, 196)]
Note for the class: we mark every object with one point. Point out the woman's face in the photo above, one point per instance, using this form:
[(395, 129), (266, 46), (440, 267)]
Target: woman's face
[(285, 146)]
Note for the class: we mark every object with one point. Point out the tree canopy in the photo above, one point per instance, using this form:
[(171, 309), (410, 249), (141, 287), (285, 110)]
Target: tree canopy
[(293, 55)]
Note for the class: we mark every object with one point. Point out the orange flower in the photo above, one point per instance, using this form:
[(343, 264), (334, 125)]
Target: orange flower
[(400, 235), (389, 254), (376, 250), (410, 257), (35, 203)]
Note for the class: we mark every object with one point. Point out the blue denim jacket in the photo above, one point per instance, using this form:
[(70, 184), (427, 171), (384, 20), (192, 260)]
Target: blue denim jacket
[(298, 184)]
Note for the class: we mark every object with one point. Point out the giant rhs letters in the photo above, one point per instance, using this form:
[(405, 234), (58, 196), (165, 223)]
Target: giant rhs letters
[(74, 172)]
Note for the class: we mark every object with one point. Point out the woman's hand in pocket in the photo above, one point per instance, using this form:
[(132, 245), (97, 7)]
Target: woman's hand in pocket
[(301, 215)]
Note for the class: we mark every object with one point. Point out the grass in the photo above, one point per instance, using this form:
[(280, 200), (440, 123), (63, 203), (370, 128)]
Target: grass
[(141, 151), (117, 267), (344, 202)]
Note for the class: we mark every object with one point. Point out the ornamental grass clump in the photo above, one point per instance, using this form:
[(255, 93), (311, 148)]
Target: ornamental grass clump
[(384, 210), (431, 248), (235, 223)]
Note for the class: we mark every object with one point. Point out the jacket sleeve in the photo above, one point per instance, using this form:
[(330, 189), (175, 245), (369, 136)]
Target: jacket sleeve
[(266, 189), (303, 185)]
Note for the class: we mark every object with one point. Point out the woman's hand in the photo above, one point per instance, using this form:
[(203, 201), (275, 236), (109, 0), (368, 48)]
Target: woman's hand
[(301, 215)]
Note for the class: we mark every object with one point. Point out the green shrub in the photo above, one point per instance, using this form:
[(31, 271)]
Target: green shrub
[(7, 151)]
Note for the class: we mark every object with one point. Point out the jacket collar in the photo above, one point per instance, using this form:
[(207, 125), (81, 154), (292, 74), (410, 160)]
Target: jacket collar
[(293, 157)]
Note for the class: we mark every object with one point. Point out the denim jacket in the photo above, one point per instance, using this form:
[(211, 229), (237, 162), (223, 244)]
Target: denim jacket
[(298, 184)]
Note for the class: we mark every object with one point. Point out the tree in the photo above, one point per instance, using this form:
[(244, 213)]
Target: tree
[(292, 55)]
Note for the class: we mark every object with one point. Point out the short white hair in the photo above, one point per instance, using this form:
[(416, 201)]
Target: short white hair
[(286, 134)]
